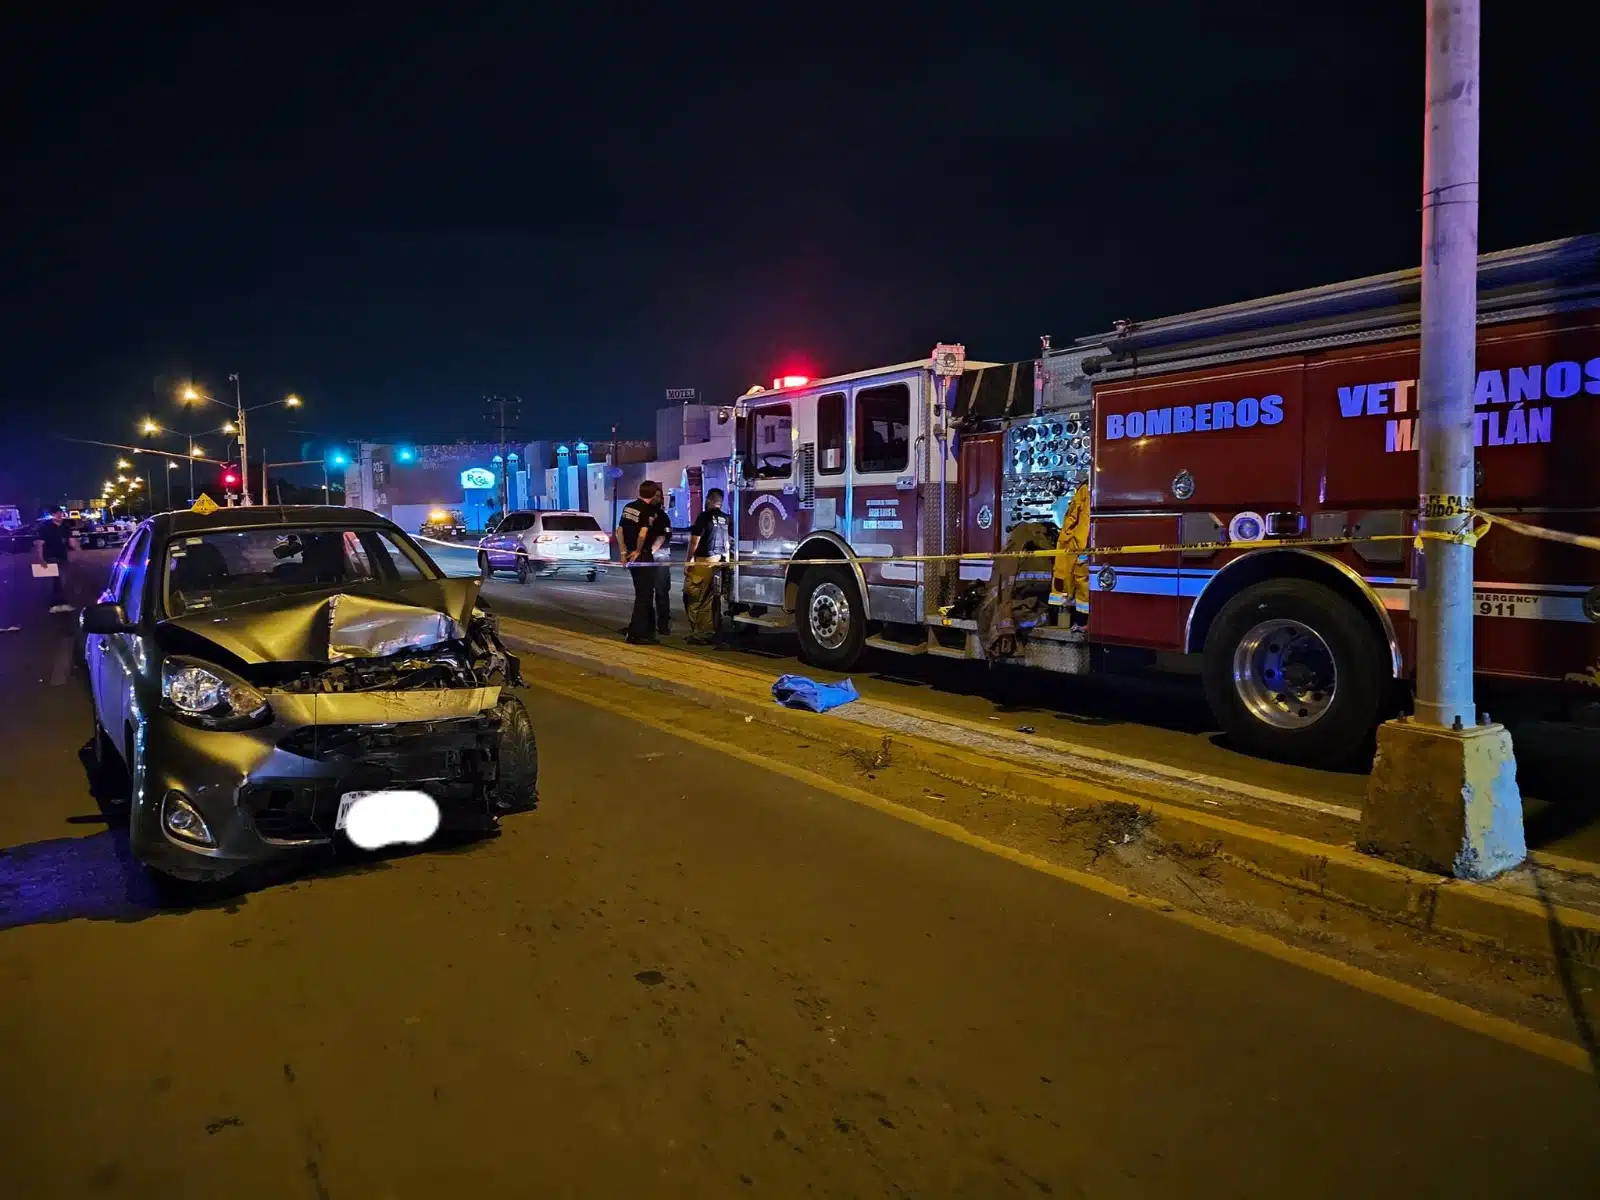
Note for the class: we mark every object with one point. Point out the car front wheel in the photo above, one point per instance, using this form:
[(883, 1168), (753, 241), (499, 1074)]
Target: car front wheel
[(517, 788), (485, 571)]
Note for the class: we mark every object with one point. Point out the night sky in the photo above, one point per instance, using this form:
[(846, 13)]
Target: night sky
[(393, 216)]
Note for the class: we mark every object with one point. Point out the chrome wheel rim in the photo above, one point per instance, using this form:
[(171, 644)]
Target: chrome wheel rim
[(829, 616), (1284, 674)]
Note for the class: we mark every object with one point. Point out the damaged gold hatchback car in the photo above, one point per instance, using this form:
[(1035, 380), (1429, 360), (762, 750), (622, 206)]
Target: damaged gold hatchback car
[(263, 675)]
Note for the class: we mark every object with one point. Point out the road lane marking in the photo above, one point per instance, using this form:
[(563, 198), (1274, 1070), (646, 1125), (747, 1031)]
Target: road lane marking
[(1568, 1054), (61, 669)]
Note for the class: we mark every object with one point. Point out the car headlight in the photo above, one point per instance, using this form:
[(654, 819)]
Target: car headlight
[(204, 695)]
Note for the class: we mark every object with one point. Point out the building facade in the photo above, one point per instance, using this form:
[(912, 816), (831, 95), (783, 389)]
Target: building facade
[(481, 480)]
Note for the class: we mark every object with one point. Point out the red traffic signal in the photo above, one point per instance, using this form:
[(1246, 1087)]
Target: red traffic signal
[(230, 476)]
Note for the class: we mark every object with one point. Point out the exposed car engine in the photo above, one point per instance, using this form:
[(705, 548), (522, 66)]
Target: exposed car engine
[(477, 660)]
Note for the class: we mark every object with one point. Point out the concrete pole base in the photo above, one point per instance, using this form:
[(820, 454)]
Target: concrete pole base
[(1444, 800)]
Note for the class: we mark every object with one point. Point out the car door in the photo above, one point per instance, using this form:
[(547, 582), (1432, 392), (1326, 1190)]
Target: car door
[(508, 540), (122, 654), (495, 544), (94, 644)]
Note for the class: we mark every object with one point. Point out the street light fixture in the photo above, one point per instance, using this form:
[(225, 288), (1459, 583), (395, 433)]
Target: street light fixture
[(123, 464), (192, 393)]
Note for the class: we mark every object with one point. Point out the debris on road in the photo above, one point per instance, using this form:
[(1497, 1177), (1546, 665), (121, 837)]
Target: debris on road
[(875, 761), (796, 691)]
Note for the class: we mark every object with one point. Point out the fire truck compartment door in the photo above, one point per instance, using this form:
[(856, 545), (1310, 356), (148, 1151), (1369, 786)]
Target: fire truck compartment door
[(1137, 599), (1224, 439), (980, 497)]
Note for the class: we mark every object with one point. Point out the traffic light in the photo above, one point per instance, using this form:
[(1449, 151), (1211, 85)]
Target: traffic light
[(230, 477)]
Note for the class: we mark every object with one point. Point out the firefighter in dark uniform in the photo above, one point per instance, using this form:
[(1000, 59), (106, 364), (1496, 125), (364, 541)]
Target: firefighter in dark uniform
[(709, 540), (639, 536)]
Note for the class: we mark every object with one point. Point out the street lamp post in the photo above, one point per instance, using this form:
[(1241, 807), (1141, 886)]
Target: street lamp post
[(239, 422)]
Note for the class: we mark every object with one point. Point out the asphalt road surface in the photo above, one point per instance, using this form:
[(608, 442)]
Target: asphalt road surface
[(1162, 718), (684, 975)]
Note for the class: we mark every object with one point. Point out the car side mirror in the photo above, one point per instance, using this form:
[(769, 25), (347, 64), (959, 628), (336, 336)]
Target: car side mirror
[(105, 618)]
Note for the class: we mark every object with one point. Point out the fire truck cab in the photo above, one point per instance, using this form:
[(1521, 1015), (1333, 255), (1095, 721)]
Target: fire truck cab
[(832, 474), (1267, 448)]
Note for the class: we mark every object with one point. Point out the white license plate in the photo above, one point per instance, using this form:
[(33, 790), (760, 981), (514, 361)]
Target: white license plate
[(387, 817), (346, 803)]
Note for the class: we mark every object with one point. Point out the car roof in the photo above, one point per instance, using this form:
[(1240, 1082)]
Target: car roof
[(560, 512), (268, 515)]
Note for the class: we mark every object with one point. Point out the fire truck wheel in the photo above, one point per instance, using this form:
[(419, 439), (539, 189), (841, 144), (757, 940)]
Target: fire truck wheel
[(1292, 672), (830, 618)]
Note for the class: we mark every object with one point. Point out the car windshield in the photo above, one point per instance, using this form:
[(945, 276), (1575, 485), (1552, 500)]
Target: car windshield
[(203, 571), (571, 523)]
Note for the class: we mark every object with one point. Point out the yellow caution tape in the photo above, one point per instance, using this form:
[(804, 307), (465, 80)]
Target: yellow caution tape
[(1477, 523), (1583, 540), (1466, 537)]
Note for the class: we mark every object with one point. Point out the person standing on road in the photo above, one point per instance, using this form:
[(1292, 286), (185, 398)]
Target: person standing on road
[(709, 540), (54, 542), (661, 573), (638, 530)]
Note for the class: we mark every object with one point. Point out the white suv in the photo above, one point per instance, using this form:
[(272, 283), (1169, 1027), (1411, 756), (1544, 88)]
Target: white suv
[(544, 542)]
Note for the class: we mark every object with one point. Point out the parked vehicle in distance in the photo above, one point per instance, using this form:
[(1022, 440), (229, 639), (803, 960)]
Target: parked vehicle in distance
[(93, 536), (265, 680), (444, 524), (16, 535), (529, 543)]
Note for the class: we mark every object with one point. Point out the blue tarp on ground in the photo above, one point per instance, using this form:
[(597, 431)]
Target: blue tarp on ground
[(796, 691)]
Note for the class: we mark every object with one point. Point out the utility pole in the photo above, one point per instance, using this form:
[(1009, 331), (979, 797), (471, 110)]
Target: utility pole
[(503, 413), (1443, 793)]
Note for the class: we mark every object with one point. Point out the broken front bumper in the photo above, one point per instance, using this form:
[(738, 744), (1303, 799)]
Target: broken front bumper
[(273, 792)]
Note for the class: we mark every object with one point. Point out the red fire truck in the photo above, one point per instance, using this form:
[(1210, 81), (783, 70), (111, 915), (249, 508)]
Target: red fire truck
[(1238, 431)]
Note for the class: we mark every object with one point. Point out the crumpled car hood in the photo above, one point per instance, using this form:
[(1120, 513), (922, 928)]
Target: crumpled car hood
[(358, 622)]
